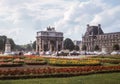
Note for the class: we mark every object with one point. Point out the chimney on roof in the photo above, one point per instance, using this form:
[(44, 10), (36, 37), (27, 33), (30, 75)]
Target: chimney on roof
[(88, 25), (99, 26)]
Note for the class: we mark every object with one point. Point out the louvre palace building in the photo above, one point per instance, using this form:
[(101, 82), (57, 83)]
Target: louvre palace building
[(49, 40), (94, 36)]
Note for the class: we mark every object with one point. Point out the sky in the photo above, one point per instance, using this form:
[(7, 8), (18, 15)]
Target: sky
[(21, 19)]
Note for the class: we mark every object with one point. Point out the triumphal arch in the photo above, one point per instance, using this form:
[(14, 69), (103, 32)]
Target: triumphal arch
[(49, 40)]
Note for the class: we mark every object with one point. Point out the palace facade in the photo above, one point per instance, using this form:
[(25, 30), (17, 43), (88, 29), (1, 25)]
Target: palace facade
[(94, 36), (49, 40)]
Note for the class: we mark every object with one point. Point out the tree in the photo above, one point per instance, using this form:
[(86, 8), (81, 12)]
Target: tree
[(28, 47), (96, 48), (2, 42), (68, 44), (12, 44), (34, 45), (84, 47), (19, 47), (116, 47), (76, 47)]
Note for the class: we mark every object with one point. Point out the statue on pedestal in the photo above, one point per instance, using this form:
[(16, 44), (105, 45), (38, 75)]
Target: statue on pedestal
[(7, 47)]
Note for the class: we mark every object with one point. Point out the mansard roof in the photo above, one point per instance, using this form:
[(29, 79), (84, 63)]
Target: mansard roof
[(93, 30)]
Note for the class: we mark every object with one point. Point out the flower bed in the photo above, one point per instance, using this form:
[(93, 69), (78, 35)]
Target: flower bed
[(71, 62), (55, 72), (11, 61), (107, 60), (20, 60), (7, 57), (81, 67)]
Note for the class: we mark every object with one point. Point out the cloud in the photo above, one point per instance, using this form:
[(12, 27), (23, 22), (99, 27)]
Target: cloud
[(77, 15), (108, 18), (11, 33), (24, 18), (93, 12)]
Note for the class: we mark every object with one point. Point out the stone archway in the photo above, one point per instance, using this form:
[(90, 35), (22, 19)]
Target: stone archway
[(59, 47), (46, 47), (49, 40), (52, 45)]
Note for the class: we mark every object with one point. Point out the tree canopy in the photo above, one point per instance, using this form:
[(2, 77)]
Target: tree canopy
[(84, 47), (116, 47), (96, 48), (12, 44), (68, 44), (34, 45), (3, 41), (76, 47)]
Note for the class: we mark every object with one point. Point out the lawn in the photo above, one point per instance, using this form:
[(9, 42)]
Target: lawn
[(107, 78)]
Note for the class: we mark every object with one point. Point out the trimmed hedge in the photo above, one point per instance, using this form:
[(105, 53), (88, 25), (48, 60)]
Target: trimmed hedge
[(11, 65), (35, 63)]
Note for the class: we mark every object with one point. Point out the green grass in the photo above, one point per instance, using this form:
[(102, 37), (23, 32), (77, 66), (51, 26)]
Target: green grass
[(109, 64), (108, 78)]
